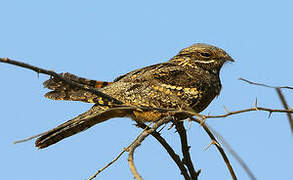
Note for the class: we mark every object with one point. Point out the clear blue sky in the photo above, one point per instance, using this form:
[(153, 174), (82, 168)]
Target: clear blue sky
[(104, 39)]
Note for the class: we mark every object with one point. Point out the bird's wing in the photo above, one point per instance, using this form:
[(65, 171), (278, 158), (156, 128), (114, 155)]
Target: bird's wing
[(164, 85)]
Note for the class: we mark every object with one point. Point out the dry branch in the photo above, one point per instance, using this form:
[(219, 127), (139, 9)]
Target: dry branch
[(185, 149), (61, 78), (170, 151), (281, 96), (139, 140), (285, 105), (265, 85), (109, 164), (256, 108), (119, 155), (220, 149)]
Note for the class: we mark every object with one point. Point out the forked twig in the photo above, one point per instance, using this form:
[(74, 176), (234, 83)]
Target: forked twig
[(170, 151), (137, 143), (220, 149), (119, 155), (281, 96)]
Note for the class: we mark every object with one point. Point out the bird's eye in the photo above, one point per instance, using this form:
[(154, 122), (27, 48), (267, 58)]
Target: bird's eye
[(205, 54)]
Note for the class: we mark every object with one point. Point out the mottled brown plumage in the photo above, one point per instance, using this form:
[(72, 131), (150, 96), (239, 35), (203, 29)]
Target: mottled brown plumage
[(189, 81)]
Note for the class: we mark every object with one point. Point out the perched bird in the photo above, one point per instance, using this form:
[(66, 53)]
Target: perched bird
[(189, 81)]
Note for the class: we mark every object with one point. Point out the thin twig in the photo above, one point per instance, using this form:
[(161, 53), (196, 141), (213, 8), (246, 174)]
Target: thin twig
[(119, 155), (109, 164), (170, 151), (265, 85), (281, 96), (220, 149), (185, 150), (249, 110), (60, 77), (233, 153), (132, 148), (285, 105), (29, 138)]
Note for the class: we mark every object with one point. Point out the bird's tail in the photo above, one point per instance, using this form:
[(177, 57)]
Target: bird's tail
[(63, 91), (96, 114)]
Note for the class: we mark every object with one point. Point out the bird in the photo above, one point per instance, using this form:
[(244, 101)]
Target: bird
[(188, 81)]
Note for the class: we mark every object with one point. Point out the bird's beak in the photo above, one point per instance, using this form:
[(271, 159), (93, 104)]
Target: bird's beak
[(229, 58)]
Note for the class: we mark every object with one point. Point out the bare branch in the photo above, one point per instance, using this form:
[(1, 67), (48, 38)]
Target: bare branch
[(170, 151), (60, 77), (220, 149), (285, 105), (185, 149), (139, 140), (119, 155), (27, 139), (264, 85), (281, 96), (249, 110), (233, 153), (109, 164), (186, 113)]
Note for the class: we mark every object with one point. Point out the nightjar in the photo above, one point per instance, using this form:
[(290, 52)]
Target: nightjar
[(189, 81)]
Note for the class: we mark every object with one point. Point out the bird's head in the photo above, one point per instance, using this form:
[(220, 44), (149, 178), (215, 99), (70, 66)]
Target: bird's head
[(203, 55)]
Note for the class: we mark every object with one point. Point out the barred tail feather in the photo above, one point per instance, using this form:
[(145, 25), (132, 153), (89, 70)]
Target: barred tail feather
[(55, 84), (72, 95), (82, 122), (63, 91)]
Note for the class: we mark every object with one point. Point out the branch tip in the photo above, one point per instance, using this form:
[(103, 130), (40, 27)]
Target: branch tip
[(226, 109), (270, 114), (255, 105), (208, 146)]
